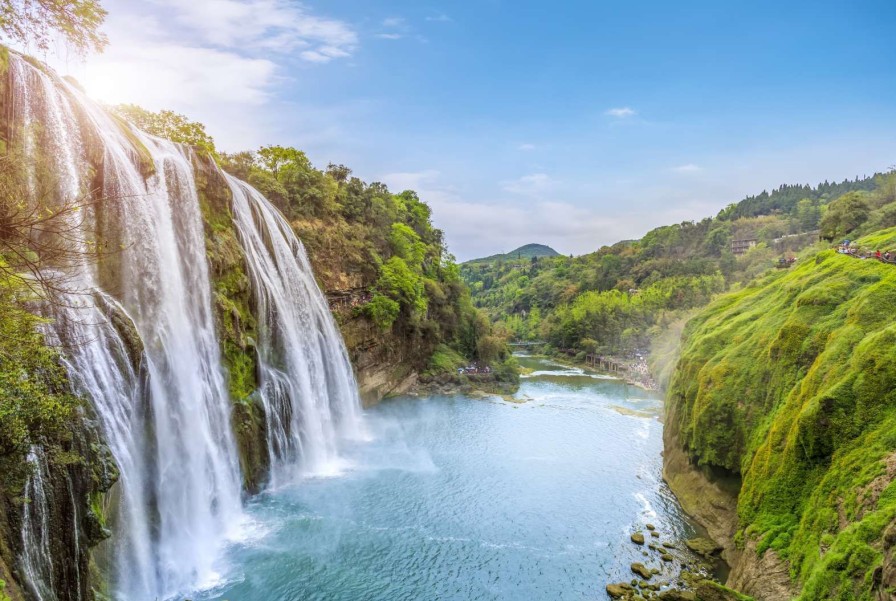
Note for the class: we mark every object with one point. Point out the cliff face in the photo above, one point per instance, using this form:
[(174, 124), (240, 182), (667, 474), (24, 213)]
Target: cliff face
[(386, 362), (781, 428), (75, 473)]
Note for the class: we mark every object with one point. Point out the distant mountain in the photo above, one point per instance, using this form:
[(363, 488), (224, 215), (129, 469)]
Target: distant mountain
[(523, 252)]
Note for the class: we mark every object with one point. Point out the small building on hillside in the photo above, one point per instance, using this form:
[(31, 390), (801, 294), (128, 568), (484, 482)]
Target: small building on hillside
[(740, 247)]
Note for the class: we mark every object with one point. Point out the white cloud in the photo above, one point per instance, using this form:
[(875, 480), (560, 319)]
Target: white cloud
[(195, 77), (389, 36), (439, 18), (527, 147), (688, 168), (219, 62), (534, 185), (324, 54), (393, 22), (621, 112), (270, 25)]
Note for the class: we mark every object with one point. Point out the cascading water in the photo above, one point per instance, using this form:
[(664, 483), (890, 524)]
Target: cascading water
[(37, 559), (180, 492), (140, 343), (306, 381)]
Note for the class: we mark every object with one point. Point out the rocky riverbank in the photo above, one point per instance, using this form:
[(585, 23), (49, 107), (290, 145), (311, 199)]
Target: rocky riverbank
[(453, 383), (673, 570)]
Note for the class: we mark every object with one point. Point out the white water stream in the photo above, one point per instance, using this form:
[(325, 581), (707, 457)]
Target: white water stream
[(164, 408)]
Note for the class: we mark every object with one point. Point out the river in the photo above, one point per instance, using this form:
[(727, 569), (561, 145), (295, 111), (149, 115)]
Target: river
[(466, 498)]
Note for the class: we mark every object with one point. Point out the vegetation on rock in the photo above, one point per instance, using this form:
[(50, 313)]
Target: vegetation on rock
[(167, 124), (789, 384), (35, 402)]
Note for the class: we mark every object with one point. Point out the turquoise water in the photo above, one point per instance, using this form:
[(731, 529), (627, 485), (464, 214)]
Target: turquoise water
[(469, 498)]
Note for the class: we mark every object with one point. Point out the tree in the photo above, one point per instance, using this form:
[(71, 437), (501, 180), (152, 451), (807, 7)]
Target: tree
[(807, 216), (382, 310), (399, 282), (407, 244), (275, 158), (41, 233), (167, 124), (36, 21), (844, 215), (490, 348)]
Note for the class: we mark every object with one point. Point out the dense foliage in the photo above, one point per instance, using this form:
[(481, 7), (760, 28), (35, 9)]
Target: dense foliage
[(37, 21), (385, 242), (617, 299), (785, 199), (167, 124), (790, 383), (34, 398)]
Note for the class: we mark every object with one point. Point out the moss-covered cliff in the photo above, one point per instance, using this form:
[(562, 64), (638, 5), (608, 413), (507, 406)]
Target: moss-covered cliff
[(39, 416), (786, 392)]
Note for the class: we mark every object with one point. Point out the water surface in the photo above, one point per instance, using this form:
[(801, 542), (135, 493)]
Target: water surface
[(470, 498)]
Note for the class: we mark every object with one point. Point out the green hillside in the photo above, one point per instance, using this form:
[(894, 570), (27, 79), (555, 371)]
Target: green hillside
[(789, 384), (523, 252), (619, 299)]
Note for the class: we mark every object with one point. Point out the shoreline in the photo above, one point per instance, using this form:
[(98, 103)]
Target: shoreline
[(569, 362)]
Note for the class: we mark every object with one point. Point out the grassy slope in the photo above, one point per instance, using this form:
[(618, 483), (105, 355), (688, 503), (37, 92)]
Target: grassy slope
[(791, 382)]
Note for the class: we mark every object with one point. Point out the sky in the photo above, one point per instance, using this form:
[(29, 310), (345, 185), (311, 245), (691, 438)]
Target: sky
[(574, 124)]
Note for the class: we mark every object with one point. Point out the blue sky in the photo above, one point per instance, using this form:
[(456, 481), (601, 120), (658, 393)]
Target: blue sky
[(574, 124)]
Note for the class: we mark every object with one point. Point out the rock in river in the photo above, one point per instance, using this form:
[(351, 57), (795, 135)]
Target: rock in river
[(618, 591), (641, 570)]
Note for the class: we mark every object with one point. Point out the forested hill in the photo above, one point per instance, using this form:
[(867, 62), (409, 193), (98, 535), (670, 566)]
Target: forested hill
[(523, 252), (618, 299), (785, 198)]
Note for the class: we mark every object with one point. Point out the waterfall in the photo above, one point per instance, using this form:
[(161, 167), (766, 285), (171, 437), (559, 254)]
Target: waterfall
[(139, 341), (170, 430), (307, 385), (37, 559)]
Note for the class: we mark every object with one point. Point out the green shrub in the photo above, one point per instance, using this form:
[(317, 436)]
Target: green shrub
[(34, 397), (382, 311)]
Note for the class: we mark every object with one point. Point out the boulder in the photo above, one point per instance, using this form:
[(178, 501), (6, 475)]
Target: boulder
[(617, 591), (641, 570), (703, 546), (638, 538)]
